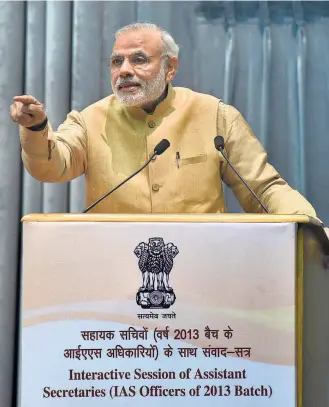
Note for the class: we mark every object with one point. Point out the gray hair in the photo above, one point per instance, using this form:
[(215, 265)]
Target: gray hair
[(169, 46)]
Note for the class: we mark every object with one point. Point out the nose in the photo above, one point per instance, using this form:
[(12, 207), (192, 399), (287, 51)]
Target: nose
[(126, 69)]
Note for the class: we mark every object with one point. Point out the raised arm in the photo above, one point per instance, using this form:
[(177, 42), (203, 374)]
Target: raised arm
[(47, 155)]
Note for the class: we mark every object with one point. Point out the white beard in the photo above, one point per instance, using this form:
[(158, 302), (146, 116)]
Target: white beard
[(147, 92)]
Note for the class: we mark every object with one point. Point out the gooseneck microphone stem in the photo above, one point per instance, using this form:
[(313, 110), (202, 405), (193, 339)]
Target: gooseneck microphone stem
[(121, 183), (219, 144), (159, 149)]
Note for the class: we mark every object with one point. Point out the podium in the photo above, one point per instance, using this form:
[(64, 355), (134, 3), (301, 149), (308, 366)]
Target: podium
[(191, 310)]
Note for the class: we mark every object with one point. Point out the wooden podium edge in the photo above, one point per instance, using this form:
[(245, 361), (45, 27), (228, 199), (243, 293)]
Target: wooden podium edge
[(163, 217), (299, 313)]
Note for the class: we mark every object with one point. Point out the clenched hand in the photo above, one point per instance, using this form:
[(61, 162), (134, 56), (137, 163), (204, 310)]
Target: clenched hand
[(27, 111)]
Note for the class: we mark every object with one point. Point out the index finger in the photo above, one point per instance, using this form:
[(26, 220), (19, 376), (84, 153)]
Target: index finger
[(26, 100)]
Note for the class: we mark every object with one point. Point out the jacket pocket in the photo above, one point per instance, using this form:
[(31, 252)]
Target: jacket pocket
[(201, 158)]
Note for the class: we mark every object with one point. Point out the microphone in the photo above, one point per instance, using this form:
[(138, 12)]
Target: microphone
[(159, 149), (219, 144)]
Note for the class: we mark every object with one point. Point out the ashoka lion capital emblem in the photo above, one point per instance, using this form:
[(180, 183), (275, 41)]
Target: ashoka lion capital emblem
[(156, 260)]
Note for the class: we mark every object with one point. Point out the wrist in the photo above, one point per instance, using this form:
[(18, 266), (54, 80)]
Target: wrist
[(39, 127)]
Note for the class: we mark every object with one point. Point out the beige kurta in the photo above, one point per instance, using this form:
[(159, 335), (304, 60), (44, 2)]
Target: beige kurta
[(108, 141)]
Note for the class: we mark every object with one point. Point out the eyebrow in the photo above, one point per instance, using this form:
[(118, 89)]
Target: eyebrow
[(116, 54)]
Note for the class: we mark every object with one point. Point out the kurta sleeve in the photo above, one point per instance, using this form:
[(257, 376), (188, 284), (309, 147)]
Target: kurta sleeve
[(250, 159), (56, 156)]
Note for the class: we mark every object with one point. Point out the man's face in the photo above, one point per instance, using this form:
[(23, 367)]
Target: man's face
[(138, 74)]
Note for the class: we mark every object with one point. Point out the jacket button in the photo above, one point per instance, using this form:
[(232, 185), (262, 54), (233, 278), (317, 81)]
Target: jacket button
[(151, 124), (155, 187)]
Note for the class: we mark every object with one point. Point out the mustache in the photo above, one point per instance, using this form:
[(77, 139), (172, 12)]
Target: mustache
[(130, 81)]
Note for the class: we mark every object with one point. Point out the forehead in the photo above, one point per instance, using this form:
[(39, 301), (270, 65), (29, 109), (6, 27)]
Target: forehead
[(146, 40)]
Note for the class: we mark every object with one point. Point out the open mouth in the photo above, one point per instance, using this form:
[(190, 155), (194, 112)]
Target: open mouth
[(129, 87)]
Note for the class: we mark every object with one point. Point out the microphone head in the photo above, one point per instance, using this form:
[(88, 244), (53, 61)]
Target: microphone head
[(219, 143), (161, 147)]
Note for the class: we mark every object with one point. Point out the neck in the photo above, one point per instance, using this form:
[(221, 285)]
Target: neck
[(150, 107)]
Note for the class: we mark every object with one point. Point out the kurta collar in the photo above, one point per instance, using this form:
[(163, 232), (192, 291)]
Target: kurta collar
[(163, 108)]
